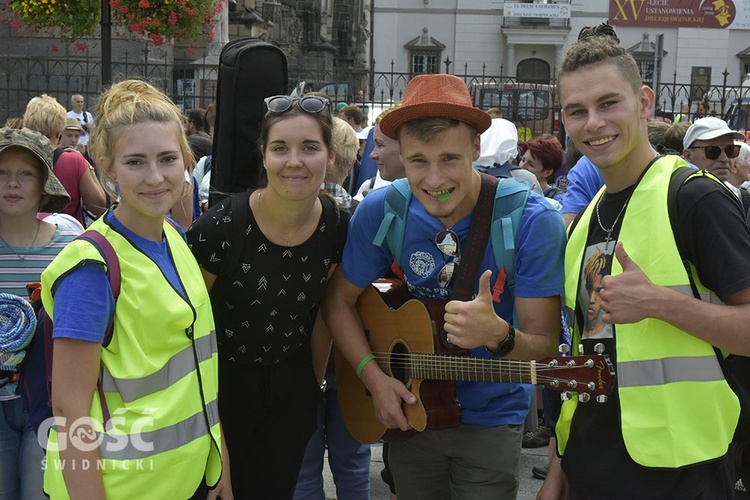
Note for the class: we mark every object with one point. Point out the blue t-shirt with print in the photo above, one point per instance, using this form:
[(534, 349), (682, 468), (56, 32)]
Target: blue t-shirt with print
[(539, 273), (82, 314)]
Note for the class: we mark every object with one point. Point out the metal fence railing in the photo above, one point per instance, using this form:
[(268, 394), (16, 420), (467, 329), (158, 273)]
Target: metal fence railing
[(194, 85)]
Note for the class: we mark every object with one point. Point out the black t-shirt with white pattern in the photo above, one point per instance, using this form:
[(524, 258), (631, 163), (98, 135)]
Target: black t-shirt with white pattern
[(267, 309)]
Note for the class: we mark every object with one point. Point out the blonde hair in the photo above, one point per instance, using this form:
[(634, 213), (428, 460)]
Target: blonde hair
[(385, 112), (14, 122), (346, 144), (127, 104), (45, 115), (595, 266)]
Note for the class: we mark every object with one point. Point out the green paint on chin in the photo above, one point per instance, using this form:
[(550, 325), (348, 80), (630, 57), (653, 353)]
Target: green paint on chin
[(444, 196)]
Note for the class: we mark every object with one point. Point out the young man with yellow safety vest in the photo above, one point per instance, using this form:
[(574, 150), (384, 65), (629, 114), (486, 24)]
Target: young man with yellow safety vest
[(666, 428)]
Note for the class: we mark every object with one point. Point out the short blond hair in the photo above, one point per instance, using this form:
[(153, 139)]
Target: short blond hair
[(385, 112), (346, 144), (45, 115)]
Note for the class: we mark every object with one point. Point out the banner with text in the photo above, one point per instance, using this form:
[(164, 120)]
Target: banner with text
[(722, 14), (548, 10)]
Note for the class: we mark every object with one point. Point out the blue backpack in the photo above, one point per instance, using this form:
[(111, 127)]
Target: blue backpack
[(510, 200)]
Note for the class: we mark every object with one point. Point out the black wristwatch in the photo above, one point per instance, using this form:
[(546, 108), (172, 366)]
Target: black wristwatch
[(506, 346)]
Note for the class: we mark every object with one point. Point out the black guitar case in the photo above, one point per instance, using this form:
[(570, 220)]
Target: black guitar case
[(249, 71)]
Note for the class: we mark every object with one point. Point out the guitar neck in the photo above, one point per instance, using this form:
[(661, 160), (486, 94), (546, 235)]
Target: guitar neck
[(438, 367)]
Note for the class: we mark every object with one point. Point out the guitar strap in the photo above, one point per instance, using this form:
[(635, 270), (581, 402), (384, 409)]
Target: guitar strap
[(473, 249)]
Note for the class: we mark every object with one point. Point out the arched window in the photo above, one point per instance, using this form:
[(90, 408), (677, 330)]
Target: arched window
[(533, 71)]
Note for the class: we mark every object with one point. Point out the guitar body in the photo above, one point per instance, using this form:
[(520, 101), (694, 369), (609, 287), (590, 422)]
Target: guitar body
[(405, 335), (411, 328)]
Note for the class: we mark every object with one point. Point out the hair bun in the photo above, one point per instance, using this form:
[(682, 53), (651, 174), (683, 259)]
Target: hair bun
[(603, 30)]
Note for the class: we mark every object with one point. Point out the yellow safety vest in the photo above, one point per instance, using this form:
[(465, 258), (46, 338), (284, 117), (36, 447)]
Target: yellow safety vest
[(676, 408), (165, 424)]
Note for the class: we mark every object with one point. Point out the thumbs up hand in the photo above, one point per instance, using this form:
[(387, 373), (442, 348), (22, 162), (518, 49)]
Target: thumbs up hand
[(474, 323), (629, 296)]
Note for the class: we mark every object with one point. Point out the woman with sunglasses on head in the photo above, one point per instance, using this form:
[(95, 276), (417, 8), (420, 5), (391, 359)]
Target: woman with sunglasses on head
[(266, 255)]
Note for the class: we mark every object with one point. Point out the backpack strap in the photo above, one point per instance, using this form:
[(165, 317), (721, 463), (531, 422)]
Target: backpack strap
[(57, 154), (113, 271), (240, 203), (332, 217), (735, 367), (679, 178), (393, 226), (745, 199), (510, 199)]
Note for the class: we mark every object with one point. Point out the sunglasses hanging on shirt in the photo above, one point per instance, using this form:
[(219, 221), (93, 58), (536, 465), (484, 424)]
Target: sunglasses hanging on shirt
[(447, 242)]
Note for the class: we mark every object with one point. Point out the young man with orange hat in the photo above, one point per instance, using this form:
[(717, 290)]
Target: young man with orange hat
[(438, 133)]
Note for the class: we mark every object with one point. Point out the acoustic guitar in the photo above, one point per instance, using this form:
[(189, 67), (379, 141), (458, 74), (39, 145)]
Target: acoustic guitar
[(405, 341)]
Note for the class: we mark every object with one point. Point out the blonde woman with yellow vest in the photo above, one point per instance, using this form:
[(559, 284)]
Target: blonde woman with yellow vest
[(157, 376)]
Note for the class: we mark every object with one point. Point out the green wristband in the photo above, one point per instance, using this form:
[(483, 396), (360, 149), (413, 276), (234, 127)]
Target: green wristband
[(361, 365)]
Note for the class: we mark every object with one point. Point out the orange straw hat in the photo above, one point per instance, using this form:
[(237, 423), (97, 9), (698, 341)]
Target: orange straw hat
[(435, 96)]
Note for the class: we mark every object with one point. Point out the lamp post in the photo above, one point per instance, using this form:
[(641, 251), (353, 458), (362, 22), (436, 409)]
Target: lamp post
[(106, 44)]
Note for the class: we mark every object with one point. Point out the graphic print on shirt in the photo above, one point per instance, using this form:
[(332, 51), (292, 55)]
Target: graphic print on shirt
[(597, 264), (422, 263), (256, 330)]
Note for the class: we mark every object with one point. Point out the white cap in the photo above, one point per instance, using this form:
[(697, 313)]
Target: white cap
[(362, 134), (705, 129), (499, 143)]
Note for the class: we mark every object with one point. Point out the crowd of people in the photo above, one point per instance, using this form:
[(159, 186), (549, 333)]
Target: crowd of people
[(193, 345)]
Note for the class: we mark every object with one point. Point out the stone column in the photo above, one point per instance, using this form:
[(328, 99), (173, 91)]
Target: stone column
[(510, 60)]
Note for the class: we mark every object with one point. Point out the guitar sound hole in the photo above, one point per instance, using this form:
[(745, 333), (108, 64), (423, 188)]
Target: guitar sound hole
[(399, 365)]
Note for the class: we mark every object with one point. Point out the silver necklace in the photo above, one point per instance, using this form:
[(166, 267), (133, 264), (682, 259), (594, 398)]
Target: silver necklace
[(22, 256), (287, 239), (612, 228)]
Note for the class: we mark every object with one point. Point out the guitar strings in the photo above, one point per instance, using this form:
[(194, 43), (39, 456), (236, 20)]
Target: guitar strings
[(406, 359), (490, 368)]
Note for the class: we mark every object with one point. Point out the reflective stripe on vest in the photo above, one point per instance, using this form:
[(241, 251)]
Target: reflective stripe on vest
[(180, 365), (668, 370), (144, 444), (706, 296), (676, 408)]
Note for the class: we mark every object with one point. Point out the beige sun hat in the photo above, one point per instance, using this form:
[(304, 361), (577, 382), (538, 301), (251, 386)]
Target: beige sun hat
[(54, 196)]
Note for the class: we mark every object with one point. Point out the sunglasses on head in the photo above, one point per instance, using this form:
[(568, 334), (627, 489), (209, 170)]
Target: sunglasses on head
[(309, 104), (713, 152), (447, 242)]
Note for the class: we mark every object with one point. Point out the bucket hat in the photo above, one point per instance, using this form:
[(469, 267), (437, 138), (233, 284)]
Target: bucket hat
[(435, 96), (72, 124), (705, 129), (54, 196)]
